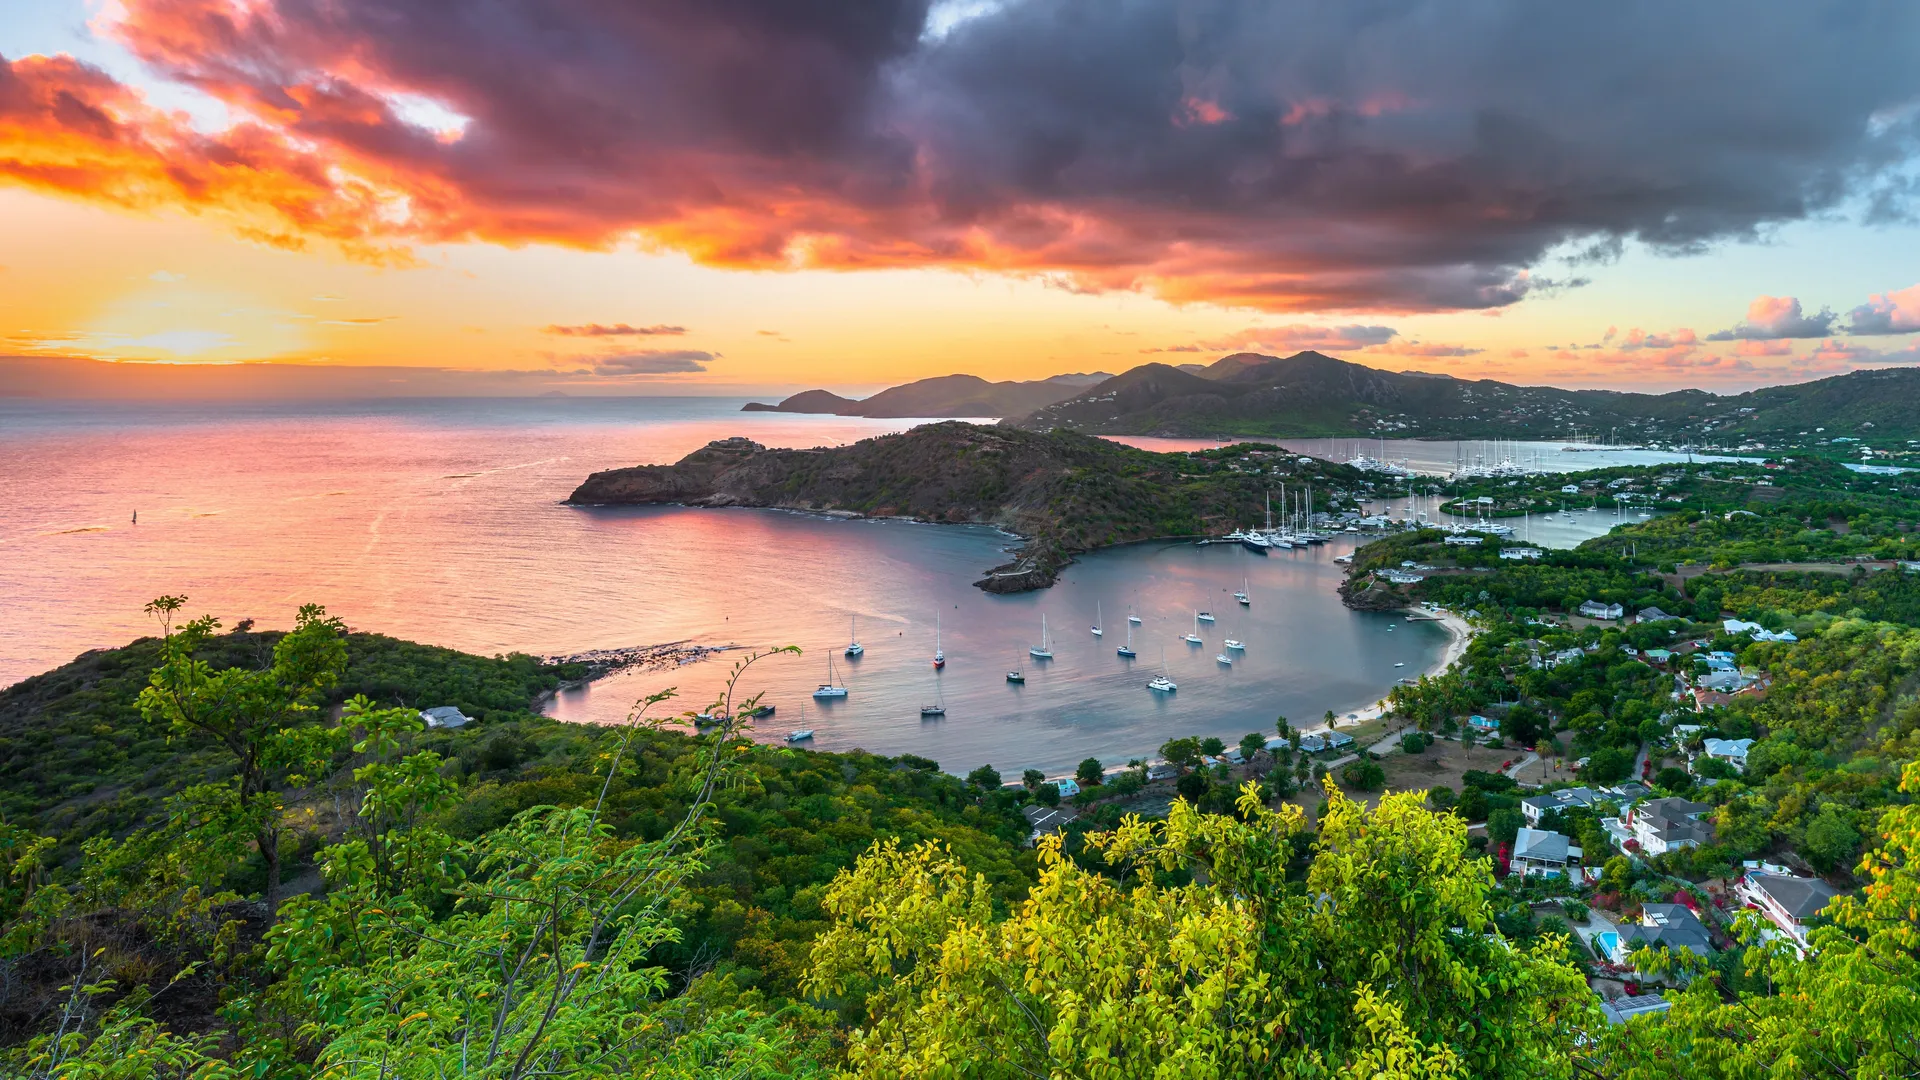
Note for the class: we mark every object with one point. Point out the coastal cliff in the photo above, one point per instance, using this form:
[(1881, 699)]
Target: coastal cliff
[(1062, 492)]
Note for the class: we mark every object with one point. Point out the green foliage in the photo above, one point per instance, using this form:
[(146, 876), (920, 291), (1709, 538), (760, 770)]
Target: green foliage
[(1363, 775), (1362, 969)]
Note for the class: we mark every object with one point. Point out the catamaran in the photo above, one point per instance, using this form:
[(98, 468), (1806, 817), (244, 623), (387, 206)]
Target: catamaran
[(1194, 638), (831, 688), (1044, 650), (1160, 682), (1097, 632), (1244, 599), (1127, 649), (939, 655), (854, 648)]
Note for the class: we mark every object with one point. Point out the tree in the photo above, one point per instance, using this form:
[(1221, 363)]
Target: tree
[(1467, 739), (1182, 752), (1212, 746), (1089, 773), (1607, 765), (1363, 775), (986, 778), (1674, 778), (1281, 727), (269, 721), (1031, 779), (1831, 840), (1503, 825), (1193, 786), (1360, 970), (1413, 742), (1252, 743)]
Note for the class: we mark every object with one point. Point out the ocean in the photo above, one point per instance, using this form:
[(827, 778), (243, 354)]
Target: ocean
[(443, 521)]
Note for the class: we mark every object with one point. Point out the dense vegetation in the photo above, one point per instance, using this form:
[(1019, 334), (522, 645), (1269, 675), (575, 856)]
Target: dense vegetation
[(238, 853), (1066, 493)]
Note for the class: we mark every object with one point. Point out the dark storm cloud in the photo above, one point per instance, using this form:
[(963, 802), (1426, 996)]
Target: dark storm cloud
[(1291, 155)]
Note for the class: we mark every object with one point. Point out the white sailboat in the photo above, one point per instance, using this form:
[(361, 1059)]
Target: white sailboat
[(1097, 620), (1015, 675), (1242, 596), (1235, 644), (1224, 659), (939, 654), (1127, 649), (854, 648), (801, 733), (831, 688), (939, 706), (1160, 682), (1044, 650), (1194, 638), (1132, 619)]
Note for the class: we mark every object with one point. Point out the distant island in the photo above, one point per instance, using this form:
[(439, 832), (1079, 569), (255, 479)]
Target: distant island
[(1311, 395), (1063, 492), (947, 396)]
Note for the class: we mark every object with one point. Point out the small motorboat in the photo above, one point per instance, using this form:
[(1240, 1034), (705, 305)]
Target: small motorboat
[(801, 735), (1224, 659), (1016, 677), (1234, 643)]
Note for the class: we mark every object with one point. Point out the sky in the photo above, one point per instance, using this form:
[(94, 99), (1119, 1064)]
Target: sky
[(718, 196)]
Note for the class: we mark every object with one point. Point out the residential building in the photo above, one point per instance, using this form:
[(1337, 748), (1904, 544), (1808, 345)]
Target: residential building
[(1657, 656), (1622, 1009), (1047, 819), (1668, 926), (1482, 724), (445, 716), (1788, 902), (1537, 852), (1312, 744), (1463, 541), (1662, 825), (1654, 614), (1732, 751), (1535, 807), (1069, 787), (1166, 770), (1594, 609), (1518, 553), (1760, 633), (1339, 740)]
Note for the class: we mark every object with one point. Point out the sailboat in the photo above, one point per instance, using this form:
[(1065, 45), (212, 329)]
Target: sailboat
[(1245, 600), (1194, 638), (831, 688), (854, 648), (939, 655), (801, 733), (1097, 620), (939, 706), (1224, 659), (1044, 650), (1127, 649), (1235, 644), (1132, 618), (1160, 682), (1203, 615), (1016, 675)]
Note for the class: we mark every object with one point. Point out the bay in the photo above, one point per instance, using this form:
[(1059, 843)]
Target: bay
[(443, 521)]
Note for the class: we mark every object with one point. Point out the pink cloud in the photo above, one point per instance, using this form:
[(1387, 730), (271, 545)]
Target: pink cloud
[(1895, 312)]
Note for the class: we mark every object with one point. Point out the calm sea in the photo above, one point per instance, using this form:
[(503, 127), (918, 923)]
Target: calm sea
[(442, 521)]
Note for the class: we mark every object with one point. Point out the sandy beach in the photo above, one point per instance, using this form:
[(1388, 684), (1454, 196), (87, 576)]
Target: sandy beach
[(1459, 634)]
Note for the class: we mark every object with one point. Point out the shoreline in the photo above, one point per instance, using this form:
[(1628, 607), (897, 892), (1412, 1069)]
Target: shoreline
[(1459, 636)]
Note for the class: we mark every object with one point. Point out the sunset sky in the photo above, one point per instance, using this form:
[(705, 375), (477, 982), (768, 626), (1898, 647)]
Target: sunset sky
[(607, 196)]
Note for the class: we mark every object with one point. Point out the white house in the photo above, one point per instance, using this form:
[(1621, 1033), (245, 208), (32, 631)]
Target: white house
[(1594, 609), (445, 716), (1518, 553), (1732, 751), (1788, 902), (1069, 787), (1760, 633), (1537, 852), (1535, 807), (1463, 541), (1570, 489), (1663, 825)]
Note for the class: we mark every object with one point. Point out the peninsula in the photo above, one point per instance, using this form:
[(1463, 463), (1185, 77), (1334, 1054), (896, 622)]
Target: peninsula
[(1062, 492)]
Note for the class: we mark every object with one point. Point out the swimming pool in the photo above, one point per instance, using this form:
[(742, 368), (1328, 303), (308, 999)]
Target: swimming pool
[(1605, 943)]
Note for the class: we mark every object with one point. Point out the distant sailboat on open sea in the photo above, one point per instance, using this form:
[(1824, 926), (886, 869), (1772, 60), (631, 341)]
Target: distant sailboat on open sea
[(854, 648), (1127, 649), (939, 654), (831, 688), (1097, 632)]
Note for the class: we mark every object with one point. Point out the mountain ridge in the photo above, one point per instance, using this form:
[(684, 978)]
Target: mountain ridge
[(954, 396)]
